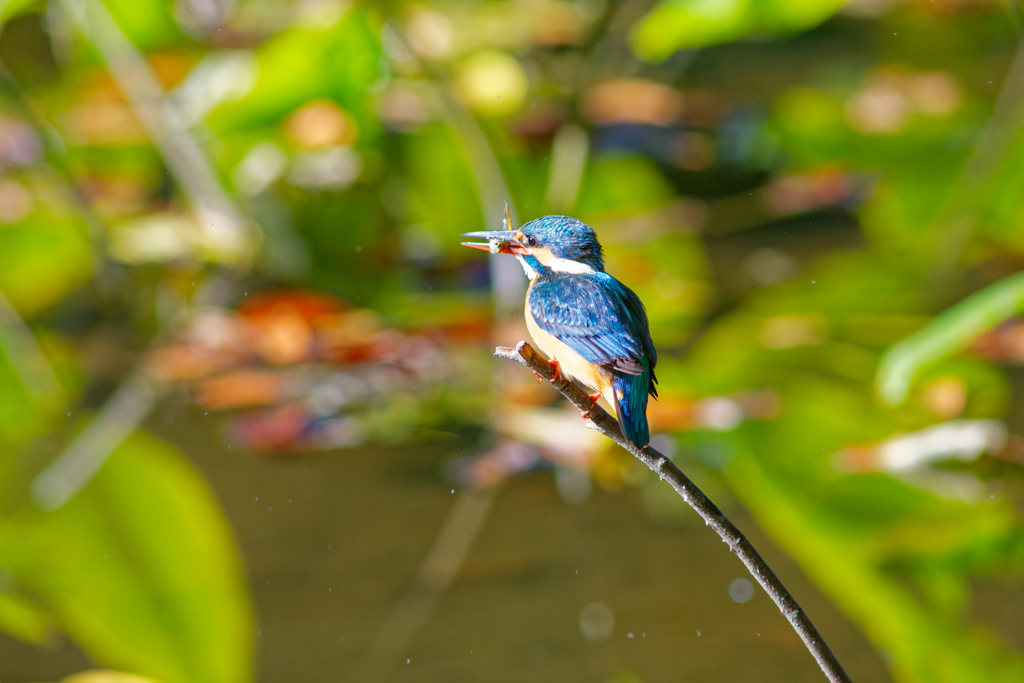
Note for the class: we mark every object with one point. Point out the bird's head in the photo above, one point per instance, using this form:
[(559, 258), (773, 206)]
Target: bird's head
[(559, 243)]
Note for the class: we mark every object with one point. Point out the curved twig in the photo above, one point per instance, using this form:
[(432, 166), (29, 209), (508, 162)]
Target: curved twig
[(664, 468)]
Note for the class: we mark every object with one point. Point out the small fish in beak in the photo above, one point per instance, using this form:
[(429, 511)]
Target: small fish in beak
[(498, 241)]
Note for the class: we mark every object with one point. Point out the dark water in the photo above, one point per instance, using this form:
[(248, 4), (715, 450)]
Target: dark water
[(333, 541)]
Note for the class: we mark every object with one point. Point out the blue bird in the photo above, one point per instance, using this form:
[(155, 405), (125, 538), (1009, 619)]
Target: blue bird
[(593, 327)]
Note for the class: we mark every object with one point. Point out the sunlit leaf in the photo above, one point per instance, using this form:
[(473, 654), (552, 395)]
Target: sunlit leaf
[(140, 570), (303, 64), (12, 8), (681, 24), (41, 259), (149, 25), (950, 332)]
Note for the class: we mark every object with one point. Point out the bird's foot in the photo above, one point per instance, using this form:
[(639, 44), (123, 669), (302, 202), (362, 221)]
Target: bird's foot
[(558, 373), (593, 402)]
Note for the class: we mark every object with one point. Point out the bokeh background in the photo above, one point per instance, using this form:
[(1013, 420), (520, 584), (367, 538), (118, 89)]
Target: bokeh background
[(250, 426)]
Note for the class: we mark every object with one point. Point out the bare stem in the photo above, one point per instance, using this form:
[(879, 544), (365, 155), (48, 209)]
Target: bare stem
[(695, 498), (84, 456)]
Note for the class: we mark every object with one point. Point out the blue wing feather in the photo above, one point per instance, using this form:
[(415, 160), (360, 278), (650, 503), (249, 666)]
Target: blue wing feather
[(585, 313), (605, 322)]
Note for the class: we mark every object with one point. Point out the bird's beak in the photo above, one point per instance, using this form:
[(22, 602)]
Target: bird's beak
[(498, 241)]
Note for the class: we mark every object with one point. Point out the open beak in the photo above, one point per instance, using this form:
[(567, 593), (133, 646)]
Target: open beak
[(498, 241)]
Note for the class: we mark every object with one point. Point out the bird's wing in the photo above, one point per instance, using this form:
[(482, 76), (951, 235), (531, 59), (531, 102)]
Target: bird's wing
[(590, 315)]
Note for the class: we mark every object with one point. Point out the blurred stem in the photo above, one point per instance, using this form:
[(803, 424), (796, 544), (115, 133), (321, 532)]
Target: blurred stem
[(228, 236), (507, 283), (27, 359), (959, 215), (84, 456), (695, 498), (569, 152), (56, 165), (52, 140), (227, 233), (437, 572)]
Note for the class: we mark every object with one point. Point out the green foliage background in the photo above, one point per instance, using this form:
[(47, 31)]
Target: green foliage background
[(872, 151)]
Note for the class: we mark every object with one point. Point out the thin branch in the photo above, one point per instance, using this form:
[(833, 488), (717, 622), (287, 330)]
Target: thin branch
[(695, 498)]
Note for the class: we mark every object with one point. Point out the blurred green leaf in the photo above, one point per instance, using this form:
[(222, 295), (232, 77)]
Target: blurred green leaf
[(302, 64), (682, 24), (621, 184), (20, 414), (41, 260), (919, 646), (140, 569), (12, 8), (20, 617), (950, 332), (149, 25), (441, 190)]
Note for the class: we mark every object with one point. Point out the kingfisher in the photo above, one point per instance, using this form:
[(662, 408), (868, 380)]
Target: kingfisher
[(592, 327)]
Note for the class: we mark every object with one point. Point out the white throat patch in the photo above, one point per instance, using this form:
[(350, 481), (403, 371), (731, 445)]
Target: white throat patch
[(564, 265)]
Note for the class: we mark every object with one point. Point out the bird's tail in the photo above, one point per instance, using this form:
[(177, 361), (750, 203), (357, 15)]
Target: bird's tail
[(630, 392)]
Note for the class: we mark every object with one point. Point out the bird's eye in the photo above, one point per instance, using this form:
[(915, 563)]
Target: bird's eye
[(531, 241)]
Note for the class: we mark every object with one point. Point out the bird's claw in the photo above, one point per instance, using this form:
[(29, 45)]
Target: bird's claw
[(593, 402), (558, 373)]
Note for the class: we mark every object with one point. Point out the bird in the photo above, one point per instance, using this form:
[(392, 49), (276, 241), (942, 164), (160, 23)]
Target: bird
[(592, 327)]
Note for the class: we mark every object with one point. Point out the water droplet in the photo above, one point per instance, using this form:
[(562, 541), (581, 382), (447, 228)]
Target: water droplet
[(741, 591), (596, 621)]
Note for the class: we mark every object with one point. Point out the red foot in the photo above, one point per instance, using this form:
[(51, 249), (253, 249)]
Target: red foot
[(558, 373), (593, 402)]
